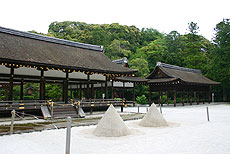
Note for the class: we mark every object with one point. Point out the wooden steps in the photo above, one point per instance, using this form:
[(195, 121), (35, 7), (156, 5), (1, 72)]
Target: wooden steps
[(64, 111)]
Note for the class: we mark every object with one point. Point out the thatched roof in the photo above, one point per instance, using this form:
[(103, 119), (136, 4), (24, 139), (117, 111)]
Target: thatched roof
[(170, 73), (27, 48), (134, 79)]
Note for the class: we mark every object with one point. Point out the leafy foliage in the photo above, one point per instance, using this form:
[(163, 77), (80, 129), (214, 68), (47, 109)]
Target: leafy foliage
[(141, 99)]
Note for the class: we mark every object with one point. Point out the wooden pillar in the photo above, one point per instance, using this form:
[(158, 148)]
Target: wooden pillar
[(42, 86), (106, 87), (71, 93), (63, 91), (92, 91), (161, 98), (112, 89), (11, 84), (7, 93), (167, 98), (21, 89), (80, 92), (134, 97), (187, 97), (190, 98), (123, 93), (195, 99), (88, 90), (209, 97), (102, 89), (204, 97), (174, 99), (198, 101), (66, 88), (150, 98), (183, 98)]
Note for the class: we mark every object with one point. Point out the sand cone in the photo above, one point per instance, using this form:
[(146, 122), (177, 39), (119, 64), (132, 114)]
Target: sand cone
[(111, 125), (153, 118)]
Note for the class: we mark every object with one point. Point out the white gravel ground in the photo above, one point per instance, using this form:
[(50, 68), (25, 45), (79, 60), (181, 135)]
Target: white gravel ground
[(189, 133)]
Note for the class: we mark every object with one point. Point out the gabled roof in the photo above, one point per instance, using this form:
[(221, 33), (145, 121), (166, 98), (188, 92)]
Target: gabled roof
[(172, 73), (28, 48)]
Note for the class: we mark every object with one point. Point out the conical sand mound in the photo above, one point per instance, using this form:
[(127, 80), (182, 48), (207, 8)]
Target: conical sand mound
[(111, 125), (153, 118)]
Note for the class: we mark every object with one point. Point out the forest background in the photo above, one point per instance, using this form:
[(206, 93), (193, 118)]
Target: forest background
[(144, 47)]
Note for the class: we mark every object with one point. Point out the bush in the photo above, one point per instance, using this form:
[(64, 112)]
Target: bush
[(141, 99)]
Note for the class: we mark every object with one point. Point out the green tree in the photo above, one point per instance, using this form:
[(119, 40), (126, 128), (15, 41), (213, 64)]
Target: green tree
[(220, 57), (141, 65)]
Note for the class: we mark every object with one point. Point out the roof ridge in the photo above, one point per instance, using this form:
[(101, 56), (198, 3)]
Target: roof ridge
[(178, 67), (50, 39)]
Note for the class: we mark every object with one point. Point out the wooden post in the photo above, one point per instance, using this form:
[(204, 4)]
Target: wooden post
[(190, 98), (150, 98), (42, 86), (80, 91), (11, 84), (63, 90), (68, 135), (198, 101), (134, 98), (187, 97), (123, 90), (12, 122), (183, 98), (195, 99), (207, 114), (71, 93), (88, 90), (209, 97), (167, 98), (66, 88), (174, 99), (21, 90), (122, 104), (92, 91), (106, 88), (161, 99), (112, 89), (204, 97)]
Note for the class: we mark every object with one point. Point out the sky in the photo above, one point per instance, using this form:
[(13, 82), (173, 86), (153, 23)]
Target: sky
[(163, 15)]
